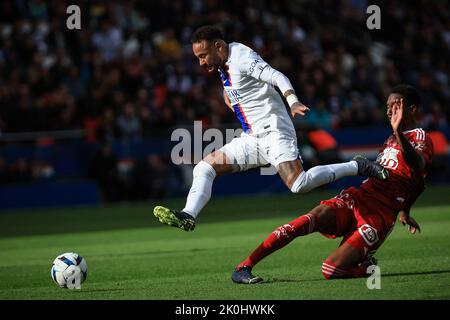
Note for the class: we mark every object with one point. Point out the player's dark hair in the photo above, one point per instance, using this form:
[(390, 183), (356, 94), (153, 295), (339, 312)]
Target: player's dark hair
[(410, 95), (208, 33)]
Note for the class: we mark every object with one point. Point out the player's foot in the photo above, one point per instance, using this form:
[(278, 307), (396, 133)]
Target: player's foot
[(178, 219), (244, 275), (370, 261), (369, 168)]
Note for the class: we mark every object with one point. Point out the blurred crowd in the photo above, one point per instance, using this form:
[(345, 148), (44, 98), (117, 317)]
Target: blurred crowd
[(23, 170), (135, 179), (129, 71)]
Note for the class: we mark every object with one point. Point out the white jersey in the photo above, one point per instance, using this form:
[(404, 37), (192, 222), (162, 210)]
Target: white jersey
[(258, 106)]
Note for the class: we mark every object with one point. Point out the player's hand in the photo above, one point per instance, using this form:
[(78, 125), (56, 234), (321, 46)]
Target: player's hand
[(397, 114), (413, 226), (299, 108)]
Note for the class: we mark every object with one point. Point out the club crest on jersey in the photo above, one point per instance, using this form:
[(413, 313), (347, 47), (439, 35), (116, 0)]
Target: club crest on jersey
[(389, 158), (369, 234)]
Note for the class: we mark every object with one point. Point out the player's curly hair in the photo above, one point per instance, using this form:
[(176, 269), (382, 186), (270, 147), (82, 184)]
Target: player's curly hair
[(208, 33), (410, 95)]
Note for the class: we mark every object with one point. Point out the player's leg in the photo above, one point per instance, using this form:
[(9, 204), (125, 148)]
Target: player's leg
[(355, 253), (238, 155), (322, 218), (351, 259), (300, 181), (372, 225), (214, 165), (204, 173), (283, 154)]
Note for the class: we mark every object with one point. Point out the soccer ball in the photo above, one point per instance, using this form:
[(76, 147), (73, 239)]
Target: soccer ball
[(69, 270)]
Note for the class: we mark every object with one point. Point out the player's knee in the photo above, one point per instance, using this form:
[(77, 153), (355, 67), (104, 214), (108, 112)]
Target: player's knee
[(303, 189), (204, 169), (220, 163), (301, 185)]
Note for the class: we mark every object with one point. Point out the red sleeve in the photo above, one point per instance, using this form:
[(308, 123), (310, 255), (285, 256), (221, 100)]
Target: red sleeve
[(425, 147)]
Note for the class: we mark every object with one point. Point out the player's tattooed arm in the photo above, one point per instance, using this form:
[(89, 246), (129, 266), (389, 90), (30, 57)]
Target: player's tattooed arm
[(414, 159), (406, 219), (288, 92)]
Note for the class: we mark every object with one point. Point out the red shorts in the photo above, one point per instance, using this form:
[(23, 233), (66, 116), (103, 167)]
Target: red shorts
[(361, 220)]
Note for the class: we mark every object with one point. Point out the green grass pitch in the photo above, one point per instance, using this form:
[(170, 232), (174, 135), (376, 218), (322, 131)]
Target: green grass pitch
[(132, 256)]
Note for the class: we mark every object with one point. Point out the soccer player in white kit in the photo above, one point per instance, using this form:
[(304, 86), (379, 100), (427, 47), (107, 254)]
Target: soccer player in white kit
[(269, 135)]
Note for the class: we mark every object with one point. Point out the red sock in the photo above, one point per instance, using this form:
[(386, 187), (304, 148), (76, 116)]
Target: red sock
[(331, 271), (279, 238)]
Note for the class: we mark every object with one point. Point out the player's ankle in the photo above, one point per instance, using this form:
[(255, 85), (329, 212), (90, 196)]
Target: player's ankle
[(245, 263)]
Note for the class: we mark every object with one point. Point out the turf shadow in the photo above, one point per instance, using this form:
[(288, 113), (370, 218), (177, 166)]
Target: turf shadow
[(103, 290), (275, 280), (162, 252), (415, 273)]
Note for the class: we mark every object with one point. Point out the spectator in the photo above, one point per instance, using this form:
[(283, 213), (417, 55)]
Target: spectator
[(104, 171), (129, 125), (108, 40), (152, 178), (439, 168), (21, 171), (107, 132), (4, 171)]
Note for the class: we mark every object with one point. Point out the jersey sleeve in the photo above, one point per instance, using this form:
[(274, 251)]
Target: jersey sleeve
[(424, 146), (250, 63)]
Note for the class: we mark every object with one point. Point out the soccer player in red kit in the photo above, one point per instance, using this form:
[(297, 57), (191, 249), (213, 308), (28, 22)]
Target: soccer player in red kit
[(363, 216)]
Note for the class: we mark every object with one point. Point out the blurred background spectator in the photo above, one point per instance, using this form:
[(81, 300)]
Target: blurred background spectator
[(440, 166), (104, 170)]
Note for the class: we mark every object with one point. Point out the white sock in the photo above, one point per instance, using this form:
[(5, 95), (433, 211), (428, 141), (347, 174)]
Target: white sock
[(201, 188), (320, 175)]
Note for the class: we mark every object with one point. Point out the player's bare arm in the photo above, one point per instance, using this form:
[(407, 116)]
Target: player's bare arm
[(405, 218), (398, 119), (296, 106)]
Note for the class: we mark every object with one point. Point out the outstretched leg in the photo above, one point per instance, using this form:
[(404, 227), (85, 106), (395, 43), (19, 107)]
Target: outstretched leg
[(215, 164), (350, 260), (321, 218), (300, 181)]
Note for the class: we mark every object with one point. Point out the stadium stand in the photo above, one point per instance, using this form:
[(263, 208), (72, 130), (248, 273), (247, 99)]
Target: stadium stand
[(127, 79)]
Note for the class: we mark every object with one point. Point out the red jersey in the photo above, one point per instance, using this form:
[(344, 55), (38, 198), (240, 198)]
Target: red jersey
[(404, 185)]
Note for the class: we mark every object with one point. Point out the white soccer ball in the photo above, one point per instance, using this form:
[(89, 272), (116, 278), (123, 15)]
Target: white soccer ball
[(69, 270)]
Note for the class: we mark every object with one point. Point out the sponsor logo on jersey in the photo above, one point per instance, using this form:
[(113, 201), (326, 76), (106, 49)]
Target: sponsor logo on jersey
[(369, 234), (253, 65)]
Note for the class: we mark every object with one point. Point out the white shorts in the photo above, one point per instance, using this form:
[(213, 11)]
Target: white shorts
[(252, 151)]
